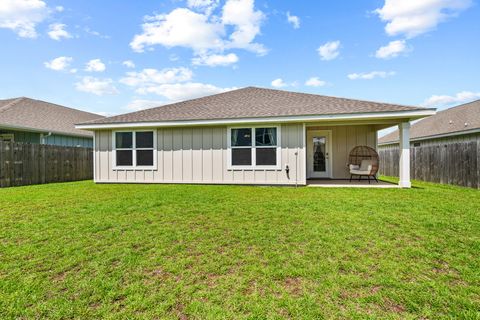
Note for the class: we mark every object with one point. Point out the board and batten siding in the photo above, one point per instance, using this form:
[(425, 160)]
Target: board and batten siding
[(344, 139), (199, 155)]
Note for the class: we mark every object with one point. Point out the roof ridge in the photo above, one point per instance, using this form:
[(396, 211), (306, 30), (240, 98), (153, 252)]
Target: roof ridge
[(17, 100), (446, 115), (344, 98), (11, 103), (460, 105), (65, 107), (173, 103)]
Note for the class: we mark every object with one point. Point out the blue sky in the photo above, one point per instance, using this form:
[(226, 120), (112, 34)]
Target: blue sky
[(112, 57)]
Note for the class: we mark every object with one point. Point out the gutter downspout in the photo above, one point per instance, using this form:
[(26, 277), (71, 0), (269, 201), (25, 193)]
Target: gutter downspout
[(45, 136)]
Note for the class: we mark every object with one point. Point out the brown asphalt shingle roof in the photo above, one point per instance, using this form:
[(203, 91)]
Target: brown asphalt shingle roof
[(43, 116), (252, 102), (457, 119)]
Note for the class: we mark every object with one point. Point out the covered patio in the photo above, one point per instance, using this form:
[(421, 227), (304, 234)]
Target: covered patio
[(330, 148)]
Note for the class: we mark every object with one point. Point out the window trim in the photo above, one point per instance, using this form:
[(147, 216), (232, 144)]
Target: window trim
[(253, 147), (8, 137), (134, 149)]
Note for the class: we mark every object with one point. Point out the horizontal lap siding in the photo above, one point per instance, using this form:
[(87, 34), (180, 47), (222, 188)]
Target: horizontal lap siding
[(68, 141), (199, 155)]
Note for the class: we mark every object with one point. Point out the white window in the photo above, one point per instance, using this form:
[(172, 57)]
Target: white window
[(134, 149), (254, 147), (7, 137)]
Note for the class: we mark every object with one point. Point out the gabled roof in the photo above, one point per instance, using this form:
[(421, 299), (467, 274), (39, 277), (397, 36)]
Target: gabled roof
[(252, 102), (35, 115), (455, 120)]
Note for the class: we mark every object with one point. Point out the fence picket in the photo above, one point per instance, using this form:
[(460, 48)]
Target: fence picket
[(451, 163), (25, 164)]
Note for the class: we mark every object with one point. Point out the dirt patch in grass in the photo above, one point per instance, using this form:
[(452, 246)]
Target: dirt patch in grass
[(178, 310), (293, 285), (392, 306), (254, 288)]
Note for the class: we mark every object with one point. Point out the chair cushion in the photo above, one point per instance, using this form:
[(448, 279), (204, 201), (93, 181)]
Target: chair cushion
[(361, 172), (366, 165), (353, 167), (364, 169)]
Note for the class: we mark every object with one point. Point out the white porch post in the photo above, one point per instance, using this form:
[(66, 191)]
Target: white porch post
[(404, 166)]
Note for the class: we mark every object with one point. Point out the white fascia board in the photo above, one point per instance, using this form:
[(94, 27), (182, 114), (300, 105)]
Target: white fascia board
[(411, 115)]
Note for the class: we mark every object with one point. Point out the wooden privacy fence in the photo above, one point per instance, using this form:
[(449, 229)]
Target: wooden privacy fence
[(450, 163), (24, 164)]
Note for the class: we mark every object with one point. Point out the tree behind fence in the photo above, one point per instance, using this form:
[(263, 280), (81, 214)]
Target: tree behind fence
[(24, 164), (450, 163)]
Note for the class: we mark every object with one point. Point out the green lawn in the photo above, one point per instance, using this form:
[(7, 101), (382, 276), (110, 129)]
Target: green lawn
[(80, 250)]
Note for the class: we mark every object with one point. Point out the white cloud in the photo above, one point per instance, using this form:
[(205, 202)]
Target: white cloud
[(57, 31), (215, 60), (294, 20), (153, 77), (173, 84), (206, 34), (329, 50), (201, 3), (442, 101), (140, 104), (278, 83), (96, 86), (95, 65), (95, 33), (206, 6), (414, 17), (181, 27), (392, 49), (128, 64), (315, 82), (370, 75), (59, 8), (183, 91), (246, 21), (22, 16), (59, 64)]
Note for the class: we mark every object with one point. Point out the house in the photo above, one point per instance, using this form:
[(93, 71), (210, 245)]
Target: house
[(445, 148), (245, 136), (455, 124), (34, 121)]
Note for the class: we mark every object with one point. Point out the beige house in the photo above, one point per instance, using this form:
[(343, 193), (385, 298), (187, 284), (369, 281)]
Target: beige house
[(246, 136)]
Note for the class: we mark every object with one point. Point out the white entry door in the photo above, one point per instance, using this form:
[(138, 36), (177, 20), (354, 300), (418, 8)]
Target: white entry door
[(319, 154)]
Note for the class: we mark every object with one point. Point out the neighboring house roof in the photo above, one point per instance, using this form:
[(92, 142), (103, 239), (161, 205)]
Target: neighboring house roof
[(456, 120), (35, 115), (252, 102)]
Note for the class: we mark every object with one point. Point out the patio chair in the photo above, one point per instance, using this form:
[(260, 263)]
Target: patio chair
[(363, 161)]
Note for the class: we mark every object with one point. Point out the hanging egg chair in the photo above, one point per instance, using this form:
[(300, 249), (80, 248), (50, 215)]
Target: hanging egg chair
[(363, 161)]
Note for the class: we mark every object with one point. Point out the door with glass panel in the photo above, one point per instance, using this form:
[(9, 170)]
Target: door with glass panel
[(319, 154)]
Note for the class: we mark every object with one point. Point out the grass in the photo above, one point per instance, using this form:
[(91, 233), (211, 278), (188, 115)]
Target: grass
[(80, 250)]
